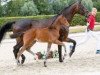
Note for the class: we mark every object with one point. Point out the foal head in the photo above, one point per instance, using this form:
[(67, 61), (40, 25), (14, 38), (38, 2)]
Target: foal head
[(61, 20)]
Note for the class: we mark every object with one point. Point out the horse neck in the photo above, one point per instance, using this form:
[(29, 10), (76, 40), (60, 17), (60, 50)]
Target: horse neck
[(70, 12)]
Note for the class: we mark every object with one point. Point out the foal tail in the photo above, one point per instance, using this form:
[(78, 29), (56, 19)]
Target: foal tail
[(15, 35), (5, 28)]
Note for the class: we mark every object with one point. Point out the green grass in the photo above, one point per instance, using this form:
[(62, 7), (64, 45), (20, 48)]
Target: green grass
[(78, 29)]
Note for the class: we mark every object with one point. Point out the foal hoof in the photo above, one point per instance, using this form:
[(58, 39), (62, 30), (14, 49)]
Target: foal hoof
[(64, 56), (45, 64), (23, 60), (18, 62), (70, 54)]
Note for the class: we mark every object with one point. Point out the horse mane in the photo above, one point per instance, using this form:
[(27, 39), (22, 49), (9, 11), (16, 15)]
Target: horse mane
[(60, 13)]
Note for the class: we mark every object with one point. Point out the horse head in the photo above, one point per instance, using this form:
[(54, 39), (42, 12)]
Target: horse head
[(82, 9), (72, 9)]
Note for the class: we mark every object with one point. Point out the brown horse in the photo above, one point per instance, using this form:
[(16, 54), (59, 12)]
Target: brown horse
[(49, 35), (25, 24)]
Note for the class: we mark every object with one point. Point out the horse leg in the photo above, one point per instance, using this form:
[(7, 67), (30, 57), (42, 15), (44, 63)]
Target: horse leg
[(48, 49), (16, 50), (60, 53), (74, 45), (62, 44), (17, 47)]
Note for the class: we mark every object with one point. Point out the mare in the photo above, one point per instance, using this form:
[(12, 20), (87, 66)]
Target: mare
[(25, 24), (49, 35)]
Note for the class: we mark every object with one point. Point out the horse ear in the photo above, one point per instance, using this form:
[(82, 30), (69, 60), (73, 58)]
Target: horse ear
[(79, 1)]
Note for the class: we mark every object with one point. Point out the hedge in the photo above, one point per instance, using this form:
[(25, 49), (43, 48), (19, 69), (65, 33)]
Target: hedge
[(77, 20), (3, 20)]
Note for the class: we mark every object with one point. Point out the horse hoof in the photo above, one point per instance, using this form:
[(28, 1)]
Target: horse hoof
[(23, 60), (45, 65), (60, 60)]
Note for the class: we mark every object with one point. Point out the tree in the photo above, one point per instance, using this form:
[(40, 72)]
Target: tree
[(88, 4), (58, 5), (97, 5), (1, 11), (44, 7), (12, 8), (29, 8)]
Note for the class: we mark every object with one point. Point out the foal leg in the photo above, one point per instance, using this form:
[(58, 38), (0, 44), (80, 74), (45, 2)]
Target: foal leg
[(30, 47), (48, 49), (31, 52)]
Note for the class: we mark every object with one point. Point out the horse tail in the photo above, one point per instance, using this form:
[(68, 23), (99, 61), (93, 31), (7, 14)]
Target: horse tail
[(5, 28)]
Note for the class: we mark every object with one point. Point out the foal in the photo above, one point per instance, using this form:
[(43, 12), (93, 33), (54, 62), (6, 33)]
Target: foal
[(49, 35)]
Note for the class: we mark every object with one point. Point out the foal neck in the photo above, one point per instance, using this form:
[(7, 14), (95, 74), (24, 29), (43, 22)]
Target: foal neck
[(56, 25)]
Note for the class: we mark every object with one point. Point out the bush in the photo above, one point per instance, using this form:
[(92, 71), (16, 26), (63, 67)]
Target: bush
[(77, 20), (98, 17), (3, 20), (88, 4), (97, 5), (80, 20)]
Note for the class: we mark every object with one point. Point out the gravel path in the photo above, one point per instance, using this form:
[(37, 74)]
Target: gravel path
[(83, 62)]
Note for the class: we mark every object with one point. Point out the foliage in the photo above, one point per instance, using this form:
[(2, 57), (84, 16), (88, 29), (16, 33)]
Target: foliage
[(88, 4), (29, 8), (98, 17), (3, 20), (97, 5), (12, 8), (1, 10), (77, 20), (44, 7), (58, 5), (40, 7)]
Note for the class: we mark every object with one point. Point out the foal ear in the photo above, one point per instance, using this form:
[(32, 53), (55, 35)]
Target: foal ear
[(60, 17)]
